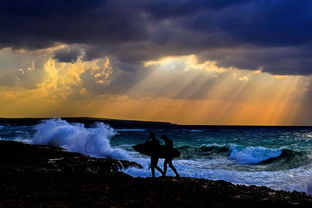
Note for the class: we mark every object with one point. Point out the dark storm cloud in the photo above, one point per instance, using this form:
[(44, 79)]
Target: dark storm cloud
[(47, 22), (68, 54), (176, 8), (274, 35), (276, 60), (261, 23)]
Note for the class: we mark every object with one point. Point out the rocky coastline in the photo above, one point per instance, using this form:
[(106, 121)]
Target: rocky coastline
[(47, 176)]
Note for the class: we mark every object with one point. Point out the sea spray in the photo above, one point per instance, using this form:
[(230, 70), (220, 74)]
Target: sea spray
[(76, 138)]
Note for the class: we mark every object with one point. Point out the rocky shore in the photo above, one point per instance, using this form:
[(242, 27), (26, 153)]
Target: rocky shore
[(45, 176)]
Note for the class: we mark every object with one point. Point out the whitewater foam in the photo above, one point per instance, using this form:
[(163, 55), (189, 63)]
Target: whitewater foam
[(252, 155), (289, 180), (76, 138)]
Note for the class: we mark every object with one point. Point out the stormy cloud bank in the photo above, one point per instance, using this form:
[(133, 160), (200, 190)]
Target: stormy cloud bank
[(271, 35)]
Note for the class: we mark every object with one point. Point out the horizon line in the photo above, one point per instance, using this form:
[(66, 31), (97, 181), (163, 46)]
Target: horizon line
[(150, 121)]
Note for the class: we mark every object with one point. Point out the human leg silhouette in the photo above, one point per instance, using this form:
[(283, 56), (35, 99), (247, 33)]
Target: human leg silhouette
[(165, 167), (154, 161), (169, 162), (173, 168)]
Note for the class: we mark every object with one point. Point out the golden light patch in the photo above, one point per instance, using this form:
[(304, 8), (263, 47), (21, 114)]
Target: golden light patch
[(190, 62), (224, 96)]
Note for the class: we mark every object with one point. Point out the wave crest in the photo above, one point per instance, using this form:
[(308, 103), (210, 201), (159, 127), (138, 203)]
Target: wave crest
[(214, 148), (76, 138), (281, 157), (253, 155)]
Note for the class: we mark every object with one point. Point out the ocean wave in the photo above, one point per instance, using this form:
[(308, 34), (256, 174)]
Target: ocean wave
[(253, 155), (288, 159), (214, 148), (280, 157), (195, 130), (76, 138), (128, 130), (276, 159)]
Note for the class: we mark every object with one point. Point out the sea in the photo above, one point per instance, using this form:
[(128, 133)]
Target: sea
[(276, 157)]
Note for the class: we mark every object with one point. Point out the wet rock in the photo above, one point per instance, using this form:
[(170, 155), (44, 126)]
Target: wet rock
[(41, 176)]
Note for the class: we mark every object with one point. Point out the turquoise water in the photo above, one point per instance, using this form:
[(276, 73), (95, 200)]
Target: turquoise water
[(277, 157)]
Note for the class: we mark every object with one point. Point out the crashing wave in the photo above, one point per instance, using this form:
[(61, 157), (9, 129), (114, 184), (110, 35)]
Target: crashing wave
[(76, 138)]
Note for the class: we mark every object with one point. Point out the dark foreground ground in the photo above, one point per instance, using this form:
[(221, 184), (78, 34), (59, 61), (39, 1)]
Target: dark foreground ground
[(41, 176)]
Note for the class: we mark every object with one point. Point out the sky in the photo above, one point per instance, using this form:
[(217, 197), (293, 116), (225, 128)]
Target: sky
[(225, 62)]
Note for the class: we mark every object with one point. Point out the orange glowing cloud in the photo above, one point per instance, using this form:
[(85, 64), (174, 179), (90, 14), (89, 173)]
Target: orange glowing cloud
[(176, 89)]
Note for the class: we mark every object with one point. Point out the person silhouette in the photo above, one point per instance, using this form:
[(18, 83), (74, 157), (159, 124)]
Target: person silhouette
[(154, 145), (168, 157)]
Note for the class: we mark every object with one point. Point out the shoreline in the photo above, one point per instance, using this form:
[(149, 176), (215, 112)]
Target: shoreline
[(47, 176)]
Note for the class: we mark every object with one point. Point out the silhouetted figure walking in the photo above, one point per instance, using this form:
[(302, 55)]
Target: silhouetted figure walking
[(154, 146), (168, 157)]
